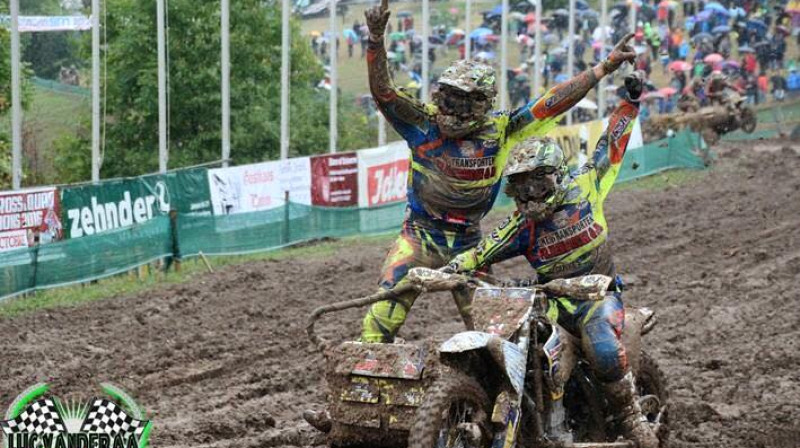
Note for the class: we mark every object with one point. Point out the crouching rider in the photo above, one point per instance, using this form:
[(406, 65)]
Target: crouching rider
[(560, 228)]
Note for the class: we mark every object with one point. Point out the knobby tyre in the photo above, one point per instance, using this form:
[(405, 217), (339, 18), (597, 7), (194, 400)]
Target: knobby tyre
[(652, 381), (454, 399)]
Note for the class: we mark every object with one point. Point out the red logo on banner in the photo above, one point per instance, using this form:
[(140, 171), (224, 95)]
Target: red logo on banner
[(387, 182), (334, 180)]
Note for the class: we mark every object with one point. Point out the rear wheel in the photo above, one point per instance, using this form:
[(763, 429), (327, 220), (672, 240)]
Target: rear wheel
[(651, 386), (455, 414)]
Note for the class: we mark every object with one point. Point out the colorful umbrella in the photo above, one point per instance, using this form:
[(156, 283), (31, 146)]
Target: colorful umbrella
[(717, 8), (746, 49), (722, 29), (480, 32), (668, 91), (404, 14), (680, 66), (713, 58), (732, 63)]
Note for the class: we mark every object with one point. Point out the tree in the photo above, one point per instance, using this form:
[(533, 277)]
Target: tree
[(194, 89)]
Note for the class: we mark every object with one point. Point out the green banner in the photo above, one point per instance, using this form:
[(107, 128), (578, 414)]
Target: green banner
[(92, 209)]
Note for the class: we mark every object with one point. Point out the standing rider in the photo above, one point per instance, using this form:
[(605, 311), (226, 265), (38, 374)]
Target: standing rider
[(560, 228), (458, 150)]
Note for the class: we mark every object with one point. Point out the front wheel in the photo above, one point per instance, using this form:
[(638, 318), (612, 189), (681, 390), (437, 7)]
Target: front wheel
[(455, 414), (749, 120)]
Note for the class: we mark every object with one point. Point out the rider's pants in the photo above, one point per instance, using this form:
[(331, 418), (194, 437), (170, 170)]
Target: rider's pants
[(419, 244), (599, 323)]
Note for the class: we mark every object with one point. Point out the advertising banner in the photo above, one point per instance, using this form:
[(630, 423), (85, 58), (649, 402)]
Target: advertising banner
[(259, 186), (383, 174), (334, 180), (96, 208), (29, 24), (24, 214)]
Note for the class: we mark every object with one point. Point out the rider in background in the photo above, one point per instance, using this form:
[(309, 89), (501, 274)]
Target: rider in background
[(559, 226), (458, 149)]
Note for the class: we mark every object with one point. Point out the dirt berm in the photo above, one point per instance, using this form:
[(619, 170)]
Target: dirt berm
[(224, 361)]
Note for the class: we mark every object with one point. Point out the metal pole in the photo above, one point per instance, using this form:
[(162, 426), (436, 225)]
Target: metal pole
[(632, 16), (426, 32), (381, 130), (601, 94), (225, 66), (163, 155), (571, 49), (467, 29), (285, 87), (334, 79), (16, 100), (504, 56), (96, 90), (537, 53)]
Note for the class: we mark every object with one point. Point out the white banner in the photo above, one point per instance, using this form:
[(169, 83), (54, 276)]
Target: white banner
[(383, 174), (29, 24), (260, 186)]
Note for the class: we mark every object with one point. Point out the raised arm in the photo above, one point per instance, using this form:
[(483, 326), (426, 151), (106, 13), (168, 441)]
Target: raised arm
[(401, 110), (506, 241), (540, 115), (613, 143)]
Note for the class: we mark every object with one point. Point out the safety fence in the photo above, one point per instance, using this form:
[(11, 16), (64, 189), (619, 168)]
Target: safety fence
[(60, 87), (131, 222)]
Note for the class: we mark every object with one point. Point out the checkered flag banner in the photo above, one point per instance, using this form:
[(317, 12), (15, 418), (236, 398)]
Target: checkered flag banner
[(107, 417), (41, 417)]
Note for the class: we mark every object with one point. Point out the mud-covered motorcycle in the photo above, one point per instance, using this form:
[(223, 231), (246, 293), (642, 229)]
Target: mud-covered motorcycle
[(514, 380)]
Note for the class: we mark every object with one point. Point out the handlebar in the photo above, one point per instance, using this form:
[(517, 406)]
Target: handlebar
[(589, 287)]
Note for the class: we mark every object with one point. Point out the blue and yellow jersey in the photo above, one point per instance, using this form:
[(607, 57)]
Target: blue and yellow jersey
[(457, 180), (573, 240)]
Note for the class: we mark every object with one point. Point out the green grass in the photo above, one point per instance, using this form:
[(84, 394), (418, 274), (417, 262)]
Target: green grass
[(661, 181), (50, 116)]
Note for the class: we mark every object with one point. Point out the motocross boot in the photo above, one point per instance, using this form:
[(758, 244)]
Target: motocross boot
[(622, 398), (320, 420)]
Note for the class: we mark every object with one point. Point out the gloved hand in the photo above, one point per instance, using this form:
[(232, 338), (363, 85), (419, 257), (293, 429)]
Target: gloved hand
[(377, 18), (622, 52), (634, 85), (451, 268)]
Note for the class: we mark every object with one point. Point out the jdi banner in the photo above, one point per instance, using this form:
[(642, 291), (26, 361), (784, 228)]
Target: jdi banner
[(91, 209)]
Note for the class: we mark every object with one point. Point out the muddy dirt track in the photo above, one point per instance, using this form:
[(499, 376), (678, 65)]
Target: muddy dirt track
[(224, 361)]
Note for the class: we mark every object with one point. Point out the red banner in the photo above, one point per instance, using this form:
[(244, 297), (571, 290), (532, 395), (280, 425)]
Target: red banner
[(28, 214), (334, 180)]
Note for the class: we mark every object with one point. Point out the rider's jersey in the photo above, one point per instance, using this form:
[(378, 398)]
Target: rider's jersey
[(457, 180), (572, 241)]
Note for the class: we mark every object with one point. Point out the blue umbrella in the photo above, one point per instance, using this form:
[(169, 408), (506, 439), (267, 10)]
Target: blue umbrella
[(757, 24), (738, 12), (721, 29), (350, 34), (561, 77), (704, 15), (717, 8), (480, 32)]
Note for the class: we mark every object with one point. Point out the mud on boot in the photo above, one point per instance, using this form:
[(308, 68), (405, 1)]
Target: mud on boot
[(627, 411)]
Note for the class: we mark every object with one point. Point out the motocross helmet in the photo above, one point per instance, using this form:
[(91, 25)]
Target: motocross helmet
[(538, 177), (465, 96)]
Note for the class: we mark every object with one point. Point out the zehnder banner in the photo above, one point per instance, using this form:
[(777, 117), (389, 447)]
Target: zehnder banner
[(383, 174), (260, 186), (28, 214), (334, 180), (92, 209)]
